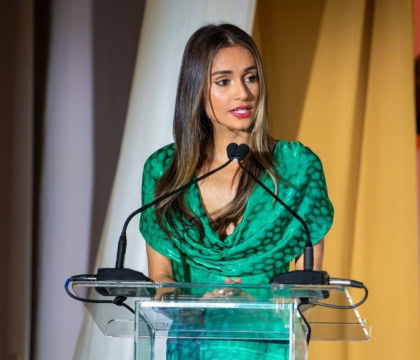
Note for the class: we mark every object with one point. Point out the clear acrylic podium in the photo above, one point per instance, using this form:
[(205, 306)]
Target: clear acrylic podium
[(168, 314)]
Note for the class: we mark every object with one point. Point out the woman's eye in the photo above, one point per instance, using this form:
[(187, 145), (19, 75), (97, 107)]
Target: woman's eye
[(222, 82), (251, 78)]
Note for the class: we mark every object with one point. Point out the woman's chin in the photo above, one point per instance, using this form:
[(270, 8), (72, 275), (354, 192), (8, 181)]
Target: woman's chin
[(239, 126)]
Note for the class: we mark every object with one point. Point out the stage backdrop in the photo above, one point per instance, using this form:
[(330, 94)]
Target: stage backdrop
[(166, 28), (341, 81)]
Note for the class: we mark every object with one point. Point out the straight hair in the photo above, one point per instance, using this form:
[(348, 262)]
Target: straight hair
[(192, 130)]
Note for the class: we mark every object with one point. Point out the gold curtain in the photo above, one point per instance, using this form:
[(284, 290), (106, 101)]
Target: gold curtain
[(340, 77)]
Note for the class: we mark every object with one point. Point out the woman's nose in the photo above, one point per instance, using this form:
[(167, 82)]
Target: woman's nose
[(241, 91)]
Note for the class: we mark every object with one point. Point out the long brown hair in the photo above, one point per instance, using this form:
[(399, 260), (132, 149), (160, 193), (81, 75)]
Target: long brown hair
[(192, 130)]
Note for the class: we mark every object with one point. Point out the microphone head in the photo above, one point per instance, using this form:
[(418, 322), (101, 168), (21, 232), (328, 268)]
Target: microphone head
[(241, 152), (231, 149)]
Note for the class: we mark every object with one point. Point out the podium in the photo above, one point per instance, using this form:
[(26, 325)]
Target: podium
[(200, 321)]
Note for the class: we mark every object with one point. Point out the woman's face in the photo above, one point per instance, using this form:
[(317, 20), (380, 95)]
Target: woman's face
[(233, 92)]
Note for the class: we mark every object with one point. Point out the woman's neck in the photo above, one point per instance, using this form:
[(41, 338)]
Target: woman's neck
[(216, 149)]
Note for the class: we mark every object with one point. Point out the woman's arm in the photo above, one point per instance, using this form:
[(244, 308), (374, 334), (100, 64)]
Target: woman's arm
[(318, 256), (160, 267)]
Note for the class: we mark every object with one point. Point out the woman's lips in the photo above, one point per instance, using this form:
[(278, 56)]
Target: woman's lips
[(241, 112)]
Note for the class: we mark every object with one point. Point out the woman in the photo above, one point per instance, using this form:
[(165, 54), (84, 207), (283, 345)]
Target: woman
[(226, 228)]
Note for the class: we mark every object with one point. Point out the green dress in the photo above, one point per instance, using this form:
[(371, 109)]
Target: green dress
[(261, 246)]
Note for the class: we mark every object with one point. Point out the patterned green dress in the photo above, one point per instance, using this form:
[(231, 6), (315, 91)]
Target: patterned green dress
[(261, 246)]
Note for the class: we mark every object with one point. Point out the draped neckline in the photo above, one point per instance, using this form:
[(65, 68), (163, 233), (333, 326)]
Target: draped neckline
[(195, 194)]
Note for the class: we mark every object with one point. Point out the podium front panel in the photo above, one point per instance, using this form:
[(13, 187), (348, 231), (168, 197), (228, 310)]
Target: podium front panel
[(169, 313), (210, 328)]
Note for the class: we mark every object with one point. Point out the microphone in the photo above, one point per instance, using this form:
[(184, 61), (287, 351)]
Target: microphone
[(231, 150), (307, 275), (241, 152), (119, 273)]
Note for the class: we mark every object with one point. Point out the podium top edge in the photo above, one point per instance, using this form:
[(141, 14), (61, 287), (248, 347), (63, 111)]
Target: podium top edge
[(178, 285)]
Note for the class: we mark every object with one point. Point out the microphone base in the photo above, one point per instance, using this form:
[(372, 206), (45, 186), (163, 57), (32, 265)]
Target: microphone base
[(113, 274), (302, 277)]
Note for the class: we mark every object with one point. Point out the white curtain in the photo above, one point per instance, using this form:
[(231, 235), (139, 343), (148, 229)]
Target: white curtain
[(92, 48), (66, 180), (166, 27)]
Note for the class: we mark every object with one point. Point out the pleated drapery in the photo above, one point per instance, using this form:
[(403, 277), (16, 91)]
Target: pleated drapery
[(341, 81), (166, 27)]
